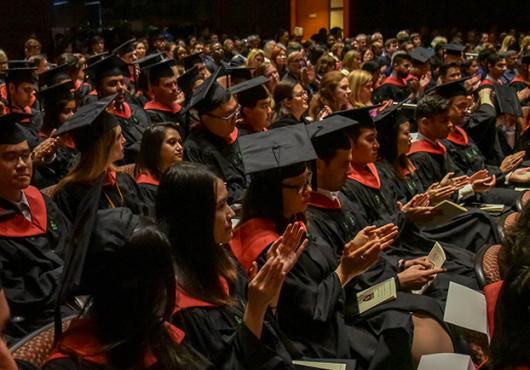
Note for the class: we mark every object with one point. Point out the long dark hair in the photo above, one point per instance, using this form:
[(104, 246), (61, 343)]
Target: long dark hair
[(52, 111), (509, 345), (185, 210), (138, 296), (263, 198), (149, 155), (388, 148)]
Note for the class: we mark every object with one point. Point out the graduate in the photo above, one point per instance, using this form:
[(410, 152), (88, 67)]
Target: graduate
[(33, 231), (21, 86), (226, 316), (142, 93), (256, 109), (108, 77), (163, 83), (98, 137), (395, 86), (433, 163), (110, 333), (464, 152), (161, 148), (327, 220), (59, 104), (214, 142)]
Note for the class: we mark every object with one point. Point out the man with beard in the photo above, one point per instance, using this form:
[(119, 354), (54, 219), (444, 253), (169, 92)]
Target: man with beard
[(395, 86)]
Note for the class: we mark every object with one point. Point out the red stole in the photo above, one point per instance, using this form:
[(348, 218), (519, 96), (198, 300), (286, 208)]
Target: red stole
[(487, 82), (154, 105), (491, 292), (93, 92), (68, 141), (110, 178), (390, 80), (185, 301), (26, 110), (425, 146), (125, 113), (80, 340), (319, 200), (250, 239), (147, 178), (408, 171), (516, 79), (458, 136), (368, 176), (18, 226)]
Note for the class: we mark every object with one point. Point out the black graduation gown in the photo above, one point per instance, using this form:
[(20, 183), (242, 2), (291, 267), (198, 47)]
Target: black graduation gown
[(433, 164), (482, 128), (51, 173), (373, 205), (148, 187), (133, 122), (82, 91), (390, 322), (31, 260), (123, 193), (391, 89), (160, 113), (467, 156), (219, 334), (223, 158)]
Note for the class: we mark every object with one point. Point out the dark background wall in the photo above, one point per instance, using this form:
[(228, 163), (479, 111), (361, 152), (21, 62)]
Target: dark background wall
[(21, 18)]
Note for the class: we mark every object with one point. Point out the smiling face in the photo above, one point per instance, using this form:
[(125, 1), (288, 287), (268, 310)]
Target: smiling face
[(297, 103), (222, 228)]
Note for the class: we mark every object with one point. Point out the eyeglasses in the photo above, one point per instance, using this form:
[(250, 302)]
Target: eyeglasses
[(230, 116), (300, 94), (14, 157), (301, 188)]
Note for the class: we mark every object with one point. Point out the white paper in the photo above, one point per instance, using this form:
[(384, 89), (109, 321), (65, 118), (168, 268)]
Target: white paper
[(437, 259), (444, 212), (466, 308), (321, 365), (445, 361), (380, 293)]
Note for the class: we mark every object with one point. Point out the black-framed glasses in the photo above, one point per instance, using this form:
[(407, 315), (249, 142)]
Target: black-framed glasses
[(301, 188), (228, 117)]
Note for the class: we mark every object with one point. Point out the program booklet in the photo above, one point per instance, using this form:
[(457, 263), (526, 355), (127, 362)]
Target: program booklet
[(437, 259), (444, 212), (444, 361), (380, 293)]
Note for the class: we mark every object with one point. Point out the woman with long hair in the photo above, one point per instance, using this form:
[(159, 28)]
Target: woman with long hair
[(291, 101), (127, 323), (361, 86), (98, 138), (268, 70), (233, 329), (161, 147), (352, 60), (279, 60), (333, 96), (254, 58)]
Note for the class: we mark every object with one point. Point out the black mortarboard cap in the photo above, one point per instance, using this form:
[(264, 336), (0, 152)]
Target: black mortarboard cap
[(124, 48), (161, 69), (394, 115), (209, 95), (96, 58), (89, 123), (108, 66), (54, 76), (329, 125), (149, 60), (19, 71), (453, 49), (249, 92), (11, 132), (56, 93), (450, 89), (276, 149), (187, 80), (190, 60), (237, 74), (421, 55), (507, 101), (361, 115)]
